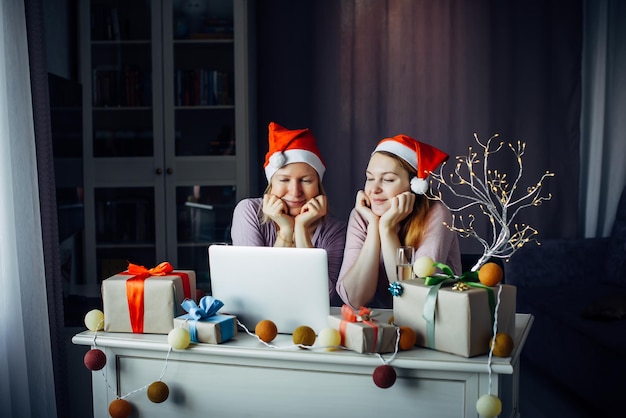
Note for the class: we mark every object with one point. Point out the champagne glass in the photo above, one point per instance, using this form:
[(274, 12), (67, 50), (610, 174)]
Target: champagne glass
[(404, 263)]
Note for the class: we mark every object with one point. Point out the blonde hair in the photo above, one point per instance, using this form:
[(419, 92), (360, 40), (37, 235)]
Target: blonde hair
[(412, 227)]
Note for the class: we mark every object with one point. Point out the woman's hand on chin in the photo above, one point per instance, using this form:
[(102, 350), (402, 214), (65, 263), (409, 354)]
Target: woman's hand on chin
[(401, 207), (276, 209)]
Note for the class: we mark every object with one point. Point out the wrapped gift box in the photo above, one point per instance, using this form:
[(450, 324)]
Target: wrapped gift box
[(463, 324), (161, 299), (213, 330), (365, 336)]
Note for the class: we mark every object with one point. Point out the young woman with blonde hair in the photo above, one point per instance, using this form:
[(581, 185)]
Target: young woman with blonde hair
[(293, 211)]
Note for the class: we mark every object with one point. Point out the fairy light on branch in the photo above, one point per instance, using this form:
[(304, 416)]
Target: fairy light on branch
[(499, 200)]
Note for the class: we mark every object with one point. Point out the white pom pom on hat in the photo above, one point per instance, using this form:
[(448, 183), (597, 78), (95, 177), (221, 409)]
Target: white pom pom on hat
[(288, 146), (422, 157)]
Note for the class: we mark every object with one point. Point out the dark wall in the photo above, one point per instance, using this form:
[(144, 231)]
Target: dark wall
[(513, 68), (284, 70)]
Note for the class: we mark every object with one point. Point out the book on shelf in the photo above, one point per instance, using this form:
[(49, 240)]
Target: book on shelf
[(126, 88), (201, 87), (105, 23)]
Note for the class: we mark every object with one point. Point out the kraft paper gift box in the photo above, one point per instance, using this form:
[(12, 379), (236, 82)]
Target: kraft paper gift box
[(362, 334), (463, 319), (203, 322), (146, 301)]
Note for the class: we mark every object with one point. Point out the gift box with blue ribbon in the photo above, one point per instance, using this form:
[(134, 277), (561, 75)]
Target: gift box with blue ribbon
[(453, 316), (203, 322)]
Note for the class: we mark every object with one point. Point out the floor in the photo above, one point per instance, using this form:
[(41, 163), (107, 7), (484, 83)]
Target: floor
[(539, 397)]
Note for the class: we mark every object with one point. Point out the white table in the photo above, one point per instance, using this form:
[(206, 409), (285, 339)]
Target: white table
[(244, 378)]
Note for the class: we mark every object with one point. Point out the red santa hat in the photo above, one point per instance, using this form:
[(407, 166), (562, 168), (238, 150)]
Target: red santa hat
[(288, 146), (422, 157)]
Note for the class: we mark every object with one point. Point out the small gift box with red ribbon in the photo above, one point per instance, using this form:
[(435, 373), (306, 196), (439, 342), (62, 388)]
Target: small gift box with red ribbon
[(454, 315), (203, 322), (361, 332), (146, 301)]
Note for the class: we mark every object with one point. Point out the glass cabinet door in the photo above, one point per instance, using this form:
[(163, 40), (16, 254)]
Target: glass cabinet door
[(200, 127), (122, 145), (121, 68), (166, 132)]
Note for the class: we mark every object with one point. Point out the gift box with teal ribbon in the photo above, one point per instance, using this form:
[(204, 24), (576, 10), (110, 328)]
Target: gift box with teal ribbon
[(452, 314), (203, 322)]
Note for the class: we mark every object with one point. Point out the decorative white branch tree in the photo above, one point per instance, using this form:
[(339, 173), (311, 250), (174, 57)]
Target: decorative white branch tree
[(494, 197)]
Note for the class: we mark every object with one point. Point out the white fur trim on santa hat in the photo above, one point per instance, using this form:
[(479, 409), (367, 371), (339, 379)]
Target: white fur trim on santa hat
[(394, 147), (294, 156), (419, 186)]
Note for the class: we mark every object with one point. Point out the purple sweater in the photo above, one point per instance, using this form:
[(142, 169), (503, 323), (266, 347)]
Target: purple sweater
[(330, 235), (439, 243)]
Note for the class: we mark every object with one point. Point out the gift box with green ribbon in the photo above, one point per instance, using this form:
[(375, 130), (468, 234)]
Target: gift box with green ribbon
[(454, 314), (146, 301)]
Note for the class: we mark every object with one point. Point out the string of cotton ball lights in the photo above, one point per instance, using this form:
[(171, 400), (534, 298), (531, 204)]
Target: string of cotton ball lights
[(489, 405), (384, 376), (95, 360), (178, 338)]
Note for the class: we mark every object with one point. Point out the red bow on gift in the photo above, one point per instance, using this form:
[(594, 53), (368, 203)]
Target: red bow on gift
[(160, 270), (364, 314), (135, 288)]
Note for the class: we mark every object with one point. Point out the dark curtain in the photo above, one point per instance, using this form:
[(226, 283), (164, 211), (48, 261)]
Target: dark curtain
[(440, 71), (47, 197)]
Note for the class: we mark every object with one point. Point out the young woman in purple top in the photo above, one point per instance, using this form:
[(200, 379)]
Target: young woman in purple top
[(389, 212), (293, 211)]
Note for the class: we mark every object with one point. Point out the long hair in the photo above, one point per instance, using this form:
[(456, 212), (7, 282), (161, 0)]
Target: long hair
[(412, 227), (264, 219)]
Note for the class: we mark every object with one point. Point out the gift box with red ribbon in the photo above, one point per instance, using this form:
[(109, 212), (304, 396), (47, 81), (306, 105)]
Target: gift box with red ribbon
[(141, 300), (456, 318), (204, 323), (361, 332)]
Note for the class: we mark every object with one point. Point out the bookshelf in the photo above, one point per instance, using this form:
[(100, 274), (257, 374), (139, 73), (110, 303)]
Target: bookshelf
[(167, 107)]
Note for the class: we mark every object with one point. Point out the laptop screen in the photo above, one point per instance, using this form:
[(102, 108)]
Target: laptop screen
[(288, 286)]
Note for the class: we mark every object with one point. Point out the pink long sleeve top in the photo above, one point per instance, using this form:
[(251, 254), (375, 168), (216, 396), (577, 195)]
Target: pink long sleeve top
[(438, 243)]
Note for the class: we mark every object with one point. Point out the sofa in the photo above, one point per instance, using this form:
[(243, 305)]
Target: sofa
[(576, 290)]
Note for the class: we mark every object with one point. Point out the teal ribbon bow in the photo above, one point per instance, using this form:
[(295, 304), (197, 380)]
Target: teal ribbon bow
[(469, 278)]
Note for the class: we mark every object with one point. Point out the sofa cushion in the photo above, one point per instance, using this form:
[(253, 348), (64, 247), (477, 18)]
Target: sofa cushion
[(615, 263), (607, 308), (585, 356), (566, 305), (616, 255)]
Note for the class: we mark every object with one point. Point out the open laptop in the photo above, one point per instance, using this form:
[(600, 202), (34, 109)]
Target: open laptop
[(288, 286)]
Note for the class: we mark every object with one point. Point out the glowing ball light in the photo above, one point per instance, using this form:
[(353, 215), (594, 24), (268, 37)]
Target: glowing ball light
[(488, 406), (303, 335), (423, 266), (95, 359), (384, 376), (94, 320), (408, 338), (158, 392), (119, 408), (179, 338), (266, 330), (329, 338)]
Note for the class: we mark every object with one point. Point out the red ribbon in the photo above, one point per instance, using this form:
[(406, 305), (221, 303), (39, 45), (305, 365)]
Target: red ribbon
[(135, 289), (363, 315)]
